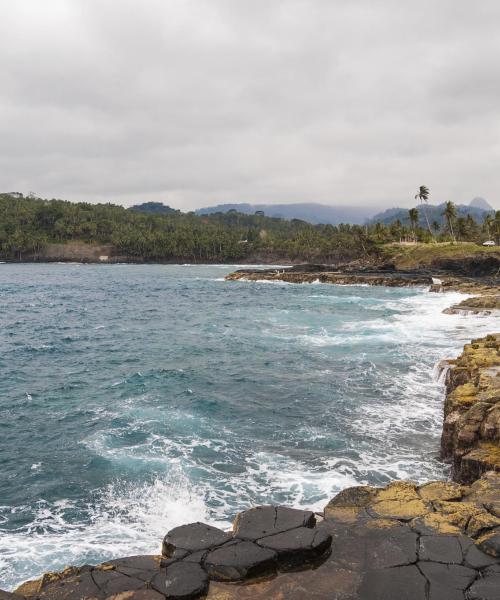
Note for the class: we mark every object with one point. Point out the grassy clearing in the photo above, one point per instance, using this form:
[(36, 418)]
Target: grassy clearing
[(407, 256)]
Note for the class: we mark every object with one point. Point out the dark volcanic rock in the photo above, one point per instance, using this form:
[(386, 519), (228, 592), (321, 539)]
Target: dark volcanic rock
[(140, 567), (239, 560), (480, 265), (138, 595), (476, 559), (181, 581), (72, 587), (9, 596), (262, 521), (298, 545), (399, 583), (487, 588), (446, 579), (440, 548), (490, 543), (193, 537), (112, 582)]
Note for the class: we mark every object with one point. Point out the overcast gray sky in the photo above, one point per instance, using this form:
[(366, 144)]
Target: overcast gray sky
[(198, 102)]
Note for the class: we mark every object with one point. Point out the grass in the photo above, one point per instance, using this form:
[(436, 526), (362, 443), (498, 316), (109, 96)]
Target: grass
[(412, 255)]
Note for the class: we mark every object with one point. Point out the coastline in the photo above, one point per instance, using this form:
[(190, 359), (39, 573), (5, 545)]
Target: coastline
[(392, 517)]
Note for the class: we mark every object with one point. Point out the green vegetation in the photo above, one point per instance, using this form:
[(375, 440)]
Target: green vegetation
[(423, 196), (28, 224)]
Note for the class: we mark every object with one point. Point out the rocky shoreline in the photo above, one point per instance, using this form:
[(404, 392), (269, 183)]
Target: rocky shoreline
[(471, 429), (485, 289), (436, 541)]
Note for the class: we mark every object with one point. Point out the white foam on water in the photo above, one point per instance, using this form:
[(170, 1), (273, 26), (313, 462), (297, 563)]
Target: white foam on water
[(124, 520)]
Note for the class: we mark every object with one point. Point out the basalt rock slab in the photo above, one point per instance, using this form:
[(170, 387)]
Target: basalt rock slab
[(298, 546), (486, 588), (240, 560), (447, 577), (440, 548), (398, 583), (193, 537), (263, 521), (181, 581)]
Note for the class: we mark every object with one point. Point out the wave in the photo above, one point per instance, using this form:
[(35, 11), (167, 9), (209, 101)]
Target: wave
[(123, 520)]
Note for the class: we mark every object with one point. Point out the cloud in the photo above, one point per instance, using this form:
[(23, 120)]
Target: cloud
[(195, 102)]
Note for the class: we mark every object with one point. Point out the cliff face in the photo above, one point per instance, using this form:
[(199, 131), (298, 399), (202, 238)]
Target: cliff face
[(471, 430)]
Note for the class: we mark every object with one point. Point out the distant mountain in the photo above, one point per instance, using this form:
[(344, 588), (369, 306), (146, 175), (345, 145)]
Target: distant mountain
[(155, 208), (434, 213), (308, 211), (480, 203)]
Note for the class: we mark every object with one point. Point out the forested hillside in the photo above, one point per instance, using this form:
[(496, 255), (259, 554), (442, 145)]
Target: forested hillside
[(29, 224)]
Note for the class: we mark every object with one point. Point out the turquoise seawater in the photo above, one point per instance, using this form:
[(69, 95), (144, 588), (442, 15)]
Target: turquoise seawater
[(137, 398)]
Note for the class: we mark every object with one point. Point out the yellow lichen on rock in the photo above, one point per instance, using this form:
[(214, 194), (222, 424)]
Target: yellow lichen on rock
[(399, 500)]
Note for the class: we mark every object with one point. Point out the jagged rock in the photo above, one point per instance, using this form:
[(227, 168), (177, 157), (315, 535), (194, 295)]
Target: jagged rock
[(261, 521), (440, 548), (181, 581), (191, 538), (471, 430), (9, 596), (239, 560), (298, 545)]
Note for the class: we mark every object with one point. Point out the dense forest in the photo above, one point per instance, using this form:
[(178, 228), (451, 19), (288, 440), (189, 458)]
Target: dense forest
[(28, 224)]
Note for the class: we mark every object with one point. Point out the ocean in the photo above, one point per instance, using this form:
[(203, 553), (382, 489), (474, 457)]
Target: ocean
[(134, 398)]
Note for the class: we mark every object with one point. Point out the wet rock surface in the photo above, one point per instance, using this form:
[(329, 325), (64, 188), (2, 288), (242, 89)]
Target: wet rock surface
[(437, 541)]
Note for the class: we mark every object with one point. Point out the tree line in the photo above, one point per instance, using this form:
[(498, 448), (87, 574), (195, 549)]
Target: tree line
[(28, 224)]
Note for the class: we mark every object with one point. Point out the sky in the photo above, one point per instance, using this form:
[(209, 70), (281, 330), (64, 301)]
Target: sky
[(200, 102)]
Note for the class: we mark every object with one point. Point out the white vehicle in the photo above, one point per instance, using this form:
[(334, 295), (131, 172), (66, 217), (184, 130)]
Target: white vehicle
[(489, 243)]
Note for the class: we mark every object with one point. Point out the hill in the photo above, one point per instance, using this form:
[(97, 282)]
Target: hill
[(310, 212), (153, 208), (480, 203)]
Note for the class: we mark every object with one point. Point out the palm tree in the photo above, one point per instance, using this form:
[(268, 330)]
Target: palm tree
[(413, 214), (436, 226), (423, 196), (450, 213)]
